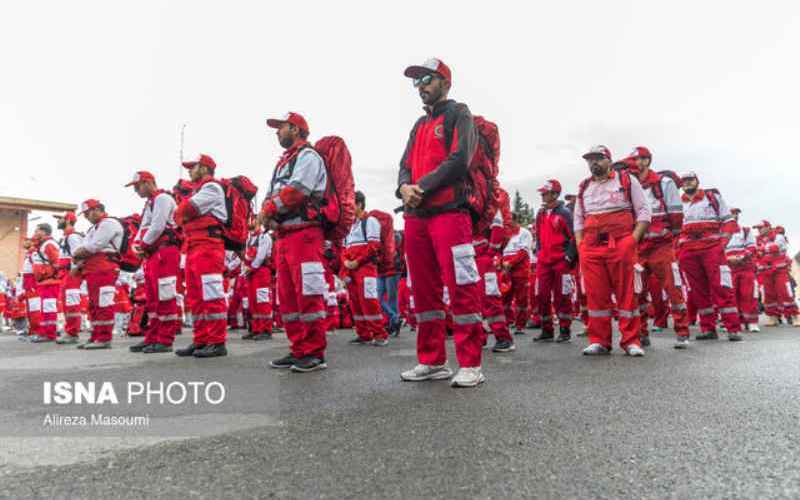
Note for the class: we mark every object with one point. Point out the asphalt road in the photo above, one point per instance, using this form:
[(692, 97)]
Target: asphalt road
[(717, 421)]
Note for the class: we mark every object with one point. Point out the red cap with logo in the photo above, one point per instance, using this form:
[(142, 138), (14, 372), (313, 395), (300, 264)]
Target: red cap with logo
[(432, 65), (202, 160), (89, 204), (550, 185), (640, 152), (68, 216), (141, 176), (598, 150), (295, 119), (763, 223)]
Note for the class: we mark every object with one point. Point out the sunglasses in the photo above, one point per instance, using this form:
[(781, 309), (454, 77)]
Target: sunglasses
[(425, 80)]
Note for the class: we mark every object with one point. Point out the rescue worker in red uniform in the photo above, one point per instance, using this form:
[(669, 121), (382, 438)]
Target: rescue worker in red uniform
[(556, 256), (611, 217), (331, 259), (487, 255), (97, 262), (707, 227), (158, 243), (359, 259), (656, 254), (70, 283), (258, 274), (297, 188), (33, 303), (48, 284), (201, 217), (139, 304), (516, 261), (741, 254), (438, 230), (774, 275)]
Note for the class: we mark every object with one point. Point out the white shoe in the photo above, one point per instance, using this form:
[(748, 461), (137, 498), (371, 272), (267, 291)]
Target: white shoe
[(468, 377), (682, 343), (595, 349), (753, 328), (427, 372), (635, 351)]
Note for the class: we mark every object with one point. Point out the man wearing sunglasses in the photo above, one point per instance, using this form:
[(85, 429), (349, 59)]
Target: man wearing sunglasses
[(438, 229)]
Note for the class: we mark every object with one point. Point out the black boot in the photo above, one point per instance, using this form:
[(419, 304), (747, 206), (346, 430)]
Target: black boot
[(138, 347), (544, 336), (157, 348), (189, 350), (211, 351), (564, 335)]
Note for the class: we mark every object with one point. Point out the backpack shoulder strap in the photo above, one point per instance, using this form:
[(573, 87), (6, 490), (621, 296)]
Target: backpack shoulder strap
[(581, 190), (711, 194)]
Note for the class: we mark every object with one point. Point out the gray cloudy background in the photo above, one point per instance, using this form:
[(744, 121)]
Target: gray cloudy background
[(93, 91)]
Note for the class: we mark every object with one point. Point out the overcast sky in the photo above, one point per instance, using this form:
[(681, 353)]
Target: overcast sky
[(93, 91)]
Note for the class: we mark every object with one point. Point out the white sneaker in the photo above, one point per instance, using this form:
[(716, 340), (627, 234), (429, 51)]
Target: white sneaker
[(634, 350), (427, 372), (753, 328), (682, 343), (595, 349), (468, 377)]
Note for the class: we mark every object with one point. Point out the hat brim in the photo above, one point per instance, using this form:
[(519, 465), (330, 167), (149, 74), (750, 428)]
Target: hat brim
[(417, 71), (595, 155), (132, 183), (275, 123), (189, 164)]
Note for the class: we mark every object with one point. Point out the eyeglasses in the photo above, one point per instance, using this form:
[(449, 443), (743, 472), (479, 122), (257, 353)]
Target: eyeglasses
[(425, 80)]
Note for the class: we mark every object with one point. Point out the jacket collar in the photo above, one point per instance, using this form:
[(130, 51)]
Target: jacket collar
[(438, 108), (698, 195)]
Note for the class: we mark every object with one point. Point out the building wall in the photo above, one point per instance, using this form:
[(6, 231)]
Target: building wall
[(12, 229)]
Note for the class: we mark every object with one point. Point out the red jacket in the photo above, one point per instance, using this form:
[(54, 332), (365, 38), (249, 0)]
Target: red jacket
[(705, 225), (555, 239), (198, 229)]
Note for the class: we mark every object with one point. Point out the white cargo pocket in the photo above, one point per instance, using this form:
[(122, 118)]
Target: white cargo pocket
[(638, 285), (725, 278), (370, 288), (411, 302), (213, 289), (35, 304), (676, 274), (567, 284), (50, 306), (72, 297), (167, 288), (492, 286), (183, 261), (446, 296), (788, 289), (465, 266), (105, 296), (332, 301), (313, 278), (262, 295), (245, 303)]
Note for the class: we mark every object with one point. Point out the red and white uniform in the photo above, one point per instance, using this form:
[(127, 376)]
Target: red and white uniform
[(656, 255), (157, 236), (139, 303), (741, 254), (517, 254), (487, 252), (556, 256), (45, 271), (607, 256), (701, 247), (362, 245), (100, 271), (201, 217), (774, 275), (259, 280), (70, 284)]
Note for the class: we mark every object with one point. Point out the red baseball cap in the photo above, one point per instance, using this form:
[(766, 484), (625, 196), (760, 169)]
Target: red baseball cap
[(68, 216), (691, 174), (202, 160), (295, 119), (640, 152), (550, 185), (89, 204), (141, 176), (763, 223), (598, 150), (432, 65)]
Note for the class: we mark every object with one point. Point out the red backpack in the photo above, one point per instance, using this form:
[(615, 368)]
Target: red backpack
[(239, 194), (388, 248), (129, 260), (482, 188), (338, 208), (504, 205)]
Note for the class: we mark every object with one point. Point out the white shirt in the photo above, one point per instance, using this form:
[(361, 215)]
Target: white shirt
[(158, 215), (308, 176), (210, 199), (105, 237), (264, 242), (69, 245), (358, 235), (523, 240)]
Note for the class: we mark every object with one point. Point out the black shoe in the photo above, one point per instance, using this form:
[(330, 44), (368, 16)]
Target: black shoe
[(707, 336), (503, 346), (644, 340), (309, 364), (138, 347), (544, 337), (564, 335), (360, 341), (262, 336), (211, 351), (519, 332), (156, 348), (734, 337), (248, 336), (284, 362), (189, 350), (533, 326)]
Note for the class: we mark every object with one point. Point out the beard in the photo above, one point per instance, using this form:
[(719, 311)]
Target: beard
[(430, 98), (690, 191), (597, 170), (286, 143)]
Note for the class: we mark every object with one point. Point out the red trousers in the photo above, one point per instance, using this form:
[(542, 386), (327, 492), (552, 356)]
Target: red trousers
[(236, 304), (660, 302), (302, 291), (659, 262), (778, 299), (135, 324), (516, 302), (491, 299), (746, 290), (362, 286), (102, 294), (33, 309), (331, 302), (711, 284), (440, 253), (71, 298), (608, 268), (161, 291), (49, 297), (260, 300), (205, 292), (556, 284), (580, 306)]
